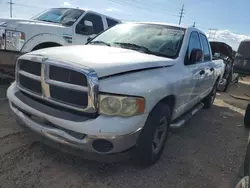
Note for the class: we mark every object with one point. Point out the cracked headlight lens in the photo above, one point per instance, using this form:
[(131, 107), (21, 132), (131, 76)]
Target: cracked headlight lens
[(114, 105)]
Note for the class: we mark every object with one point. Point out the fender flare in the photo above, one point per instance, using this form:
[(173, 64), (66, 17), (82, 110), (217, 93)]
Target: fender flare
[(42, 38)]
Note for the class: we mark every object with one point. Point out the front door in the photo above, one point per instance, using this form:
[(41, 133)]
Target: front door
[(197, 73), (81, 39)]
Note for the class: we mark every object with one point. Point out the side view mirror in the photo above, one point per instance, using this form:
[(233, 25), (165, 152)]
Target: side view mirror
[(88, 23), (85, 29), (196, 56)]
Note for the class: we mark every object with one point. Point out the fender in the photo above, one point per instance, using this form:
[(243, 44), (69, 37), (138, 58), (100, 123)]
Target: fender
[(149, 84), (42, 38)]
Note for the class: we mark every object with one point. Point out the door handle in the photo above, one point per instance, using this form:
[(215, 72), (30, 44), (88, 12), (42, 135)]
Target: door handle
[(212, 69), (202, 72)]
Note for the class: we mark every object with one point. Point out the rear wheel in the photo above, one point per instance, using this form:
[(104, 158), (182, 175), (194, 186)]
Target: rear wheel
[(209, 100), (153, 136), (228, 81)]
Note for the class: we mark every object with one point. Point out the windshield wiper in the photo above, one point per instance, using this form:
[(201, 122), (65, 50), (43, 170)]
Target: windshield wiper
[(99, 42), (141, 48), (132, 45), (48, 21)]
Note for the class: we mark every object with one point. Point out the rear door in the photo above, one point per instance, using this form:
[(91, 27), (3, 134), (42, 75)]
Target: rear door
[(208, 66)]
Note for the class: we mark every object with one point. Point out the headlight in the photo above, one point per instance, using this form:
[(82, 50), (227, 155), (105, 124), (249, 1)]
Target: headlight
[(113, 105), (14, 40)]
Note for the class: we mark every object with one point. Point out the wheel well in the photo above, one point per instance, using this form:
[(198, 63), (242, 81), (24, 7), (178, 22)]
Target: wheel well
[(170, 100), (217, 80), (45, 45)]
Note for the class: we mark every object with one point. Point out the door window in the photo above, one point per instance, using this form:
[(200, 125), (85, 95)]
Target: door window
[(96, 20), (111, 22), (194, 43), (206, 49)]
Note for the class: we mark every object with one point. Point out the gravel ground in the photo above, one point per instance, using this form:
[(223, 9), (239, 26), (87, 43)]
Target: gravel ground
[(207, 152)]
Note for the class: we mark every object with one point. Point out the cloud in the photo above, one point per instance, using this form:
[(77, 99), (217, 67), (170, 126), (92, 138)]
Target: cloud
[(112, 10), (229, 37), (66, 4)]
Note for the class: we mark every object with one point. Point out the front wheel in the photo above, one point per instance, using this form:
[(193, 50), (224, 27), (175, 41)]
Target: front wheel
[(153, 136)]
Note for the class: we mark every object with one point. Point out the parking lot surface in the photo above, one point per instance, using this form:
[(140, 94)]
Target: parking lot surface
[(207, 152)]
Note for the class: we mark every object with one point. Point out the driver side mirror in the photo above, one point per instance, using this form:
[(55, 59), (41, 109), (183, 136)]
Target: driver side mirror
[(196, 56), (85, 29)]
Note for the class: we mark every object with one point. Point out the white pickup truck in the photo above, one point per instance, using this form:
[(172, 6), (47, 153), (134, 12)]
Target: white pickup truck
[(53, 27), (119, 94)]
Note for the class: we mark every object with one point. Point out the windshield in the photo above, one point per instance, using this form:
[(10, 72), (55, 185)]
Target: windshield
[(160, 40), (64, 16)]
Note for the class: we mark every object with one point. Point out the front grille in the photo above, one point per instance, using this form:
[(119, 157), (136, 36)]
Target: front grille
[(68, 76), (68, 96), (31, 67), (56, 84), (30, 84)]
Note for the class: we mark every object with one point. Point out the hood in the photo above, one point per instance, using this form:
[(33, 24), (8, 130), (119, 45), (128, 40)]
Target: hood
[(13, 23), (222, 48), (105, 60)]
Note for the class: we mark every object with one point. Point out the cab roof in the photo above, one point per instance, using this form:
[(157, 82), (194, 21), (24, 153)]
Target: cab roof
[(88, 10), (169, 24)]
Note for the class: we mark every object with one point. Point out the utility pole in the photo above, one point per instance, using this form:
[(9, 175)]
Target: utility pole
[(11, 3), (181, 14)]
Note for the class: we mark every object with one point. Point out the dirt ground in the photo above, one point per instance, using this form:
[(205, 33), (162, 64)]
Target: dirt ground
[(207, 152)]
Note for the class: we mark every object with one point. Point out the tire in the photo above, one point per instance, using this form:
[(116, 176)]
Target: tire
[(209, 100), (229, 79), (149, 147), (236, 80), (247, 116)]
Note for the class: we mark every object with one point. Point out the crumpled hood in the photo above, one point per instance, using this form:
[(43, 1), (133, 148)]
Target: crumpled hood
[(103, 59), (13, 23), (222, 48)]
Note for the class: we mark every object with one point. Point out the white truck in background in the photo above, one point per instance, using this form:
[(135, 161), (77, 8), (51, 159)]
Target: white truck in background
[(53, 27), (120, 93)]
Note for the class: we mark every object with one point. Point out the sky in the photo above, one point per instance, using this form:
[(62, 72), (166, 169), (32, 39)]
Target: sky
[(230, 18)]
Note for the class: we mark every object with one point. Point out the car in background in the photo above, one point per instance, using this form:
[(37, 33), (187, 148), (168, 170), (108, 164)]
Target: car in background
[(221, 50), (53, 27)]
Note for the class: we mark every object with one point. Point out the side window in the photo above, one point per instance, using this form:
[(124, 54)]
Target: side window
[(96, 20), (194, 43), (111, 22), (206, 49)]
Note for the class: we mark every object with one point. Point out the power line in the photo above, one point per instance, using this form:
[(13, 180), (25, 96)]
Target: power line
[(181, 14), (143, 6), (28, 6), (149, 5), (19, 4), (212, 34)]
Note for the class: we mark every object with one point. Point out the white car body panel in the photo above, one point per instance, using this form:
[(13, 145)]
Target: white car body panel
[(38, 32), (110, 60), (128, 72)]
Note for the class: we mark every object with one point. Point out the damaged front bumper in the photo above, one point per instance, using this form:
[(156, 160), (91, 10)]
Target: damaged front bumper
[(100, 138)]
